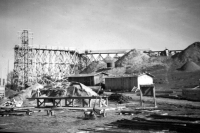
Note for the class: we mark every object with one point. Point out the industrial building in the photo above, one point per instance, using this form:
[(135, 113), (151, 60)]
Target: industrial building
[(89, 79), (126, 83)]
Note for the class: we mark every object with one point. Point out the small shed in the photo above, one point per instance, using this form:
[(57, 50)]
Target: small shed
[(126, 83), (110, 63), (89, 79)]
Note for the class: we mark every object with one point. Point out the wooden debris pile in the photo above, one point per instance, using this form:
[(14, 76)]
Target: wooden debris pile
[(8, 111)]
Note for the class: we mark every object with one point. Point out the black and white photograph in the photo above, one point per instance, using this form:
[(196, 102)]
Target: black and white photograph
[(100, 66)]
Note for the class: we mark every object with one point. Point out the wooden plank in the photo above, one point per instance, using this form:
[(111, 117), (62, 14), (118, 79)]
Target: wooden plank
[(186, 118), (23, 108), (88, 97)]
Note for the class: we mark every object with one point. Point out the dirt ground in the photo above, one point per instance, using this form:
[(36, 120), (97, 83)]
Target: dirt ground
[(71, 121)]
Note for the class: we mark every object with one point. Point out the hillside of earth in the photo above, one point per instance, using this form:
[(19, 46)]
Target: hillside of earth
[(171, 72)]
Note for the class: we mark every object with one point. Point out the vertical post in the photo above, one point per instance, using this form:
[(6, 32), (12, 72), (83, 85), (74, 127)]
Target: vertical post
[(141, 95), (107, 101), (72, 102), (52, 112), (38, 103), (48, 113), (54, 102), (37, 92), (44, 102), (154, 96), (100, 102), (89, 103), (83, 102), (61, 102), (66, 102)]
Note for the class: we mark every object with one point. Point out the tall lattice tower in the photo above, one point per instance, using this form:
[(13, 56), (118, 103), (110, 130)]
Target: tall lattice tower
[(22, 60), (25, 49)]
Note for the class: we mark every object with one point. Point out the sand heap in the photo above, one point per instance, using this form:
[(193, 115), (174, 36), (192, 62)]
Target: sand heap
[(93, 67), (190, 66), (18, 98), (192, 53), (75, 90), (131, 58), (133, 61)]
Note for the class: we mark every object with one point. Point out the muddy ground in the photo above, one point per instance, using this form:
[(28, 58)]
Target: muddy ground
[(70, 121)]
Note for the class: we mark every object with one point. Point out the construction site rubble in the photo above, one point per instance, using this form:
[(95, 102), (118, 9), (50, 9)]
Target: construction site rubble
[(120, 98), (52, 89)]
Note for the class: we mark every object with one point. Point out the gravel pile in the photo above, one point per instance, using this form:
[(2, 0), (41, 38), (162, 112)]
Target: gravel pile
[(190, 66), (191, 53)]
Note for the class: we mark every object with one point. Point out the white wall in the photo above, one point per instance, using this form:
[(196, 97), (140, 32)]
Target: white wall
[(144, 80)]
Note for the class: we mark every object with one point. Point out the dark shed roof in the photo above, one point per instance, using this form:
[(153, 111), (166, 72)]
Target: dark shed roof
[(87, 75), (126, 76)]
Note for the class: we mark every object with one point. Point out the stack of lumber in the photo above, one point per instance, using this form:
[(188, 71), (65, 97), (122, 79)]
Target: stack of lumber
[(183, 124)]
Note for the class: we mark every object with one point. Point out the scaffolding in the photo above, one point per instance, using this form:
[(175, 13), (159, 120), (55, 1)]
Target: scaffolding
[(22, 59)]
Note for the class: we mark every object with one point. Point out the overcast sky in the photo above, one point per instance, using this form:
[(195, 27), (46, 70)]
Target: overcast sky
[(100, 24)]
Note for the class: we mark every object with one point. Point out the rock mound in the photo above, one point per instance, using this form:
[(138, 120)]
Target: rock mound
[(192, 53), (190, 66)]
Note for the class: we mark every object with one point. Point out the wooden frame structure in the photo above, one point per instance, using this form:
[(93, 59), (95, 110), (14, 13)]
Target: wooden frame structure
[(57, 101), (50, 61), (147, 90)]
